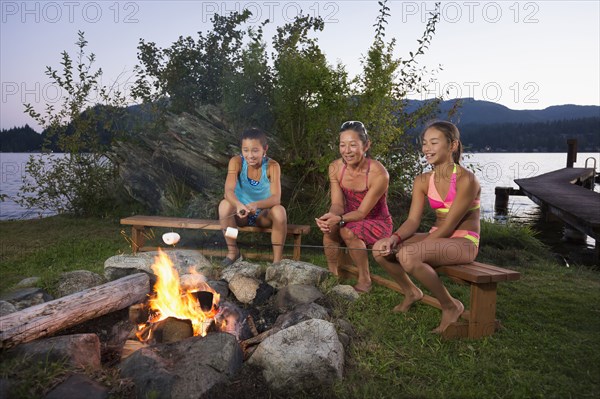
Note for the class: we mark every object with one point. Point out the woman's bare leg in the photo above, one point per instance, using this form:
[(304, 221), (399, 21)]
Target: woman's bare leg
[(331, 244), (360, 258)]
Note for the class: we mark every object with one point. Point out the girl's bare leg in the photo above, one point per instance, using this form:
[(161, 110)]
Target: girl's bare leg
[(226, 209), (411, 292), (417, 258), (276, 218)]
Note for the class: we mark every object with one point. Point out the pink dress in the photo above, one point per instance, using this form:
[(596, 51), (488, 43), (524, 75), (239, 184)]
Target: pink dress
[(378, 223)]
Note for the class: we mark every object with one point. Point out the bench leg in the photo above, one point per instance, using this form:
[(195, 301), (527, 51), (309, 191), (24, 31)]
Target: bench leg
[(297, 248), (482, 310), (137, 238)]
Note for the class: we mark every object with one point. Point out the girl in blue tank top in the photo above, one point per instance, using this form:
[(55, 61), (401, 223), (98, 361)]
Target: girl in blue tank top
[(253, 195)]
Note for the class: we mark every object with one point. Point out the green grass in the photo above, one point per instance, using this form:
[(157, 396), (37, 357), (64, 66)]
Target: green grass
[(50, 246), (549, 346)]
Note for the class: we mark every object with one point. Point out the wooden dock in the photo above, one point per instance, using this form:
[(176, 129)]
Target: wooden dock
[(561, 193)]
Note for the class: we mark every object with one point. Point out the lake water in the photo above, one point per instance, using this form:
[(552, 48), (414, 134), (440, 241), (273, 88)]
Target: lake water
[(492, 169)]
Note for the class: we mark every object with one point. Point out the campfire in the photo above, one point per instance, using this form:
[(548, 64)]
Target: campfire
[(189, 301)]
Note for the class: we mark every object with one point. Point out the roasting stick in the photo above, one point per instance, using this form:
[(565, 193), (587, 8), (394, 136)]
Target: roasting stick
[(173, 238), (232, 232)]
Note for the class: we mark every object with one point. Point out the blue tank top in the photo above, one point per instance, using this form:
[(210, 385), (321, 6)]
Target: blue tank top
[(248, 190)]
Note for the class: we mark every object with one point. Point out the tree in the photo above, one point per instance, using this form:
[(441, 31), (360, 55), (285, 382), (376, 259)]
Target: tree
[(380, 93), (82, 181)]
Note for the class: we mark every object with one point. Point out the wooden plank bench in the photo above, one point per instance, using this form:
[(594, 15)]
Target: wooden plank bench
[(479, 320), (139, 223)]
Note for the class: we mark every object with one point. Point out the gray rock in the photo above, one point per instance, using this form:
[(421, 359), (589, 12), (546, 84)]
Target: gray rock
[(293, 295), (244, 288), (345, 327), (301, 313), (221, 287), (28, 282), (79, 350), (345, 291), (293, 272), (78, 386), (25, 297), (6, 308), (183, 369), (77, 280), (119, 266), (301, 357), (242, 268), (344, 339)]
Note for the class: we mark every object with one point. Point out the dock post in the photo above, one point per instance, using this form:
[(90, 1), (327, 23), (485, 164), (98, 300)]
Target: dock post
[(501, 202), (571, 152)]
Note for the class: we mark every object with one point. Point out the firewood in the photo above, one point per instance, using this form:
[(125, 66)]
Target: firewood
[(50, 317), (259, 338)]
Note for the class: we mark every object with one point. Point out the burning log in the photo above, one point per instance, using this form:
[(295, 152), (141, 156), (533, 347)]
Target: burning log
[(47, 318), (172, 329), (139, 313)]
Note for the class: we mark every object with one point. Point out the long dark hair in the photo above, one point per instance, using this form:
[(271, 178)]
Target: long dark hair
[(452, 134)]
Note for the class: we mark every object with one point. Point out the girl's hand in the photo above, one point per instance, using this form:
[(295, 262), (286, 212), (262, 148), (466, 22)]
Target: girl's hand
[(251, 207), (242, 210), (388, 245)]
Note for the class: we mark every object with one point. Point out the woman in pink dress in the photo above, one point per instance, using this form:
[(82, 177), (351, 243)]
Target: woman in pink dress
[(358, 214)]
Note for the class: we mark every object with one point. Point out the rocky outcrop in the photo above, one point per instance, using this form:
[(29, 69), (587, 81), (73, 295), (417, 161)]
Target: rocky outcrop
[(193, 151)]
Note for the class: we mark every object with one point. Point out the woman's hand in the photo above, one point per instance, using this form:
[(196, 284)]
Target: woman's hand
[(327, 221)]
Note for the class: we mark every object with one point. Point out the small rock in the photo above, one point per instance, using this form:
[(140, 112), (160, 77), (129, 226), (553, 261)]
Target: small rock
[(244, 288), (25, 297), (242, 268), (345, 291), (293, 295), (119, 266), (293, 272), (78, 386), (6, 308), (221, 287), (301, 313), (79, 350), (76, 281), (28, 282)]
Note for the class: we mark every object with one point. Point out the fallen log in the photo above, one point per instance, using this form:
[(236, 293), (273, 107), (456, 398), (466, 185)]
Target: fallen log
[(49, 317)]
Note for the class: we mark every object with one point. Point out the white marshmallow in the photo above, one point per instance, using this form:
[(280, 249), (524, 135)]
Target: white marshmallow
[(231, 232), (171, 238)]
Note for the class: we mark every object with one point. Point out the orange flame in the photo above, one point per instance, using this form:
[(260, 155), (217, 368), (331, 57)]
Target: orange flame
[(170, 300)]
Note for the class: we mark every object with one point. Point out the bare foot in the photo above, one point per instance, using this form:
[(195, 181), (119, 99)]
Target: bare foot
[(449, 316), (333, 269), (410, 298), (362, 288)]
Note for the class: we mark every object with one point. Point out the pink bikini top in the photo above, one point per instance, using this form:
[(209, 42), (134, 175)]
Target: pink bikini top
[(435, 199)]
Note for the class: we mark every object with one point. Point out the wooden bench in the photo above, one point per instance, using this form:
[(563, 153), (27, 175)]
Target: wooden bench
[(139, 224), (479, 320)]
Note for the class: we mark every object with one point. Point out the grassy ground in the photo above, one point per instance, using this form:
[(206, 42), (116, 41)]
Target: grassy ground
[(549, 345)]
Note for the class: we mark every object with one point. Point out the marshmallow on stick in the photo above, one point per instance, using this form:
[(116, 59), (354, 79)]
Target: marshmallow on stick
[(231, 232), (171, 238)]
